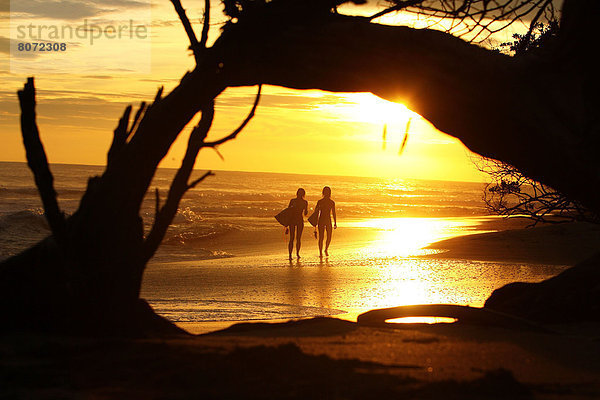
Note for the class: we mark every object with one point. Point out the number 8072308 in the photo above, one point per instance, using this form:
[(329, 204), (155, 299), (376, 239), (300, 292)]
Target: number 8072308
[(41, 46)]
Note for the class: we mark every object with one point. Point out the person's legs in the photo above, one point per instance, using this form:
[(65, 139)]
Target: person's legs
[(329, 233), (321, 234), (298, 239), (292, 236)]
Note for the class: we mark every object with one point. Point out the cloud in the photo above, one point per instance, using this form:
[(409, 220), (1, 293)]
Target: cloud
[(76, 113), (292, 101), (72, 10), (98, 77), (5, 46), (124, 3), (67, 10)]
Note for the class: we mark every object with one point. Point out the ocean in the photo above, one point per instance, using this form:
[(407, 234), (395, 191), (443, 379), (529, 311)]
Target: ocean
[(224, 259)]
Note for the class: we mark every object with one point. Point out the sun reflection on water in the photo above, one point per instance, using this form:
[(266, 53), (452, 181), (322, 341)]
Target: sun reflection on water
[(406, 237), (393, 273), (373, 264), (422, 320)]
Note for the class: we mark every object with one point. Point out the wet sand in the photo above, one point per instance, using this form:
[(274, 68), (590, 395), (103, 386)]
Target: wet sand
[(368, 268)]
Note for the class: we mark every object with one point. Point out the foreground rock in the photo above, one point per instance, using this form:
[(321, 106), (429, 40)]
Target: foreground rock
[(571, 296)]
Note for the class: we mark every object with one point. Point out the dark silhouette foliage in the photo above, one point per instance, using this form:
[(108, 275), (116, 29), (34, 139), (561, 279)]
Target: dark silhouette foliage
[(512, 194)]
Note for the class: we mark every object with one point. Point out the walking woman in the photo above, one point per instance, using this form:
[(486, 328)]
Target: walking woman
[(298, 207), (326, 208)]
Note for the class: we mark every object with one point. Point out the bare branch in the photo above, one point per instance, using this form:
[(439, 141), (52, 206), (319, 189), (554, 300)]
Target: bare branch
[(512, 194), (194, 45), (205, 25), (401, 5), (136, 119), (123, 131), (119, 135), (405, 140), (234, 134), (158, 95), (195, 182), (477, 18), (179, 185), (38, 162)]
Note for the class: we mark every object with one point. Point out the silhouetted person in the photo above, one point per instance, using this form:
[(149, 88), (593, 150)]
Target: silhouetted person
[(326, 208), (298, 206)]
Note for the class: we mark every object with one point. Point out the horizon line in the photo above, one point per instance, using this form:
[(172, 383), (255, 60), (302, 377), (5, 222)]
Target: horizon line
[(266, 172)]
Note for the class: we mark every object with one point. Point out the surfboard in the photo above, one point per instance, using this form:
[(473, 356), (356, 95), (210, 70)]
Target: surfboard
[(284, 217), (314, 218)]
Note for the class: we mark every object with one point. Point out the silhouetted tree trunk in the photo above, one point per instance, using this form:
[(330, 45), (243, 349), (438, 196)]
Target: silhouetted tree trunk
[(85, 278)]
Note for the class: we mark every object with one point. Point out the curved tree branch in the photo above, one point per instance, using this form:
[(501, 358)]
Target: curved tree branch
[(205, 25), (180, 185), (234, 134), (474, 94), (189, 30)]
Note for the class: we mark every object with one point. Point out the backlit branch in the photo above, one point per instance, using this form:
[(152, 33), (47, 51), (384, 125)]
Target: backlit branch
[(400, 6), (532, 26), (119, 135), (38, 162), (123, 131), (194, 45), (478, 19), (234, 134), (205, 25), (512, 194), (179, 185)]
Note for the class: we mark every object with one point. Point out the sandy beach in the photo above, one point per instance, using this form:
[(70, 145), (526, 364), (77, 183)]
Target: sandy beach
[(317, 358), (331, 357), (368, 268)]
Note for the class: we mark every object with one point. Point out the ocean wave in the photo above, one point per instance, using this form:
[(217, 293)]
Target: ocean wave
[(190, 237), (25, 219), (20, 230), (168, 253)]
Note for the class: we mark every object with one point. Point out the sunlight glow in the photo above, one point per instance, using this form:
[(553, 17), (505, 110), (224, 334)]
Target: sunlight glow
[(422, 320), (404, 278), (405, 237), (366, 107)]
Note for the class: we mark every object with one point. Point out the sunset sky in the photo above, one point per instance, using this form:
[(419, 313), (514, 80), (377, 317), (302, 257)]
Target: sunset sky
[(83, 91)]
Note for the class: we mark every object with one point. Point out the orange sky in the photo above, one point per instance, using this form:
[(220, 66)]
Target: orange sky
[(293, 131)]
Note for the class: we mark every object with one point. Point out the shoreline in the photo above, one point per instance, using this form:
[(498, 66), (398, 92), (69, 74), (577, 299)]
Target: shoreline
[(489, 238), (559, 244), (259, 284)]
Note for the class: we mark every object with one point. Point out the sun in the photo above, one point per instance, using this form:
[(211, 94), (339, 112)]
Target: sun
[(368, 108)]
